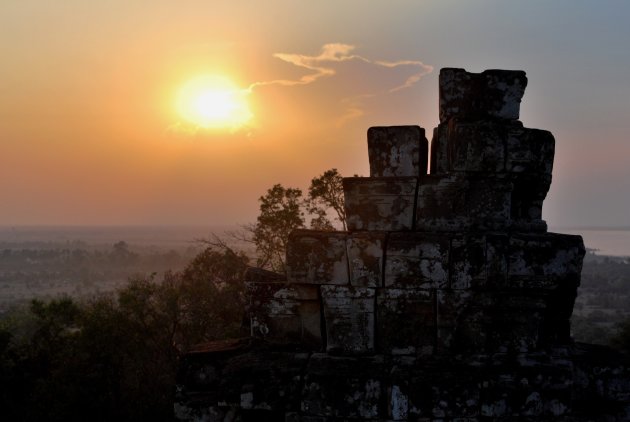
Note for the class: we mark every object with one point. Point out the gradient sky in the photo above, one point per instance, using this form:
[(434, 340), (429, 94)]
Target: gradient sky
[(89, 133)]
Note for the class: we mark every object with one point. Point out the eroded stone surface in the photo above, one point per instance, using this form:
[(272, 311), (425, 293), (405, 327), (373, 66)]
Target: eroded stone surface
[(366, 256), (251, 382), (468, 262), (397, 151), (417, 260), (385, 203), (405, 321), (457, 203), (317, 257), (474, 96), (357, 389), (349, 314), (490, 146), (285, 312)]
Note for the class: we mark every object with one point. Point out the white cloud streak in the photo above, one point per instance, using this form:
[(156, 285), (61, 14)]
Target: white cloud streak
[(321, 66)]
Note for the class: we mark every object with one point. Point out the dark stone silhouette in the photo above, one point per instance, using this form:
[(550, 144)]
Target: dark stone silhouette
[(446, 300)]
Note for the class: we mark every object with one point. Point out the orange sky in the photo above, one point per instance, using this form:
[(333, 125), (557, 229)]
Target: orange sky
[(89, 132)]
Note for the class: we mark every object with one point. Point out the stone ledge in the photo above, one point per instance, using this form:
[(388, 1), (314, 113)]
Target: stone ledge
[(577, 383)]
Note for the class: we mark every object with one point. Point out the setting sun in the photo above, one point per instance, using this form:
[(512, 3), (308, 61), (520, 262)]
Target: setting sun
[(213, 102)]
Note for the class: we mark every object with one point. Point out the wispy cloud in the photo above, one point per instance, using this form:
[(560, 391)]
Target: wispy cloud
[(331, 53), (326, 64), (323, 65)]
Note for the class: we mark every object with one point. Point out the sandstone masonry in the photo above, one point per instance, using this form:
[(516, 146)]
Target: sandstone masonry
[(447, 299)]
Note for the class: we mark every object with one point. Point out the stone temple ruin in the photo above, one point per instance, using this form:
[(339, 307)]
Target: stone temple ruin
[(447, 299)]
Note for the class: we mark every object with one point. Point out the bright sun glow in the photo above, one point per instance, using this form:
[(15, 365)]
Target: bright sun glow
[(213, 102)]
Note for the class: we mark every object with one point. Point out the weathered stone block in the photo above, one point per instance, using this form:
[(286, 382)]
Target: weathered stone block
[(417, 260), (454, 312), (385, 203), (489, 322), (492, 146), (445, 391), (439, 150), (345, 387), (468, 262), (349, 318), (458, 203), (529, 151), (441, 203), (365, 255), (488, 202), (476, 146), (285, 312), (517, 322), (474, 96), (535, 387), (405, 321), (397, 151), (317, 257), (497, 253), (224, 377), (551, 265), (527, 200), (550, 256)]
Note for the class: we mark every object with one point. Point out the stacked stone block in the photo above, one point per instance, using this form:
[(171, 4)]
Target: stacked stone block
[(453, 261), (446, 299)]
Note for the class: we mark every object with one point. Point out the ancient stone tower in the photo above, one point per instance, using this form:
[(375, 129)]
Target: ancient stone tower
[(447, 299)]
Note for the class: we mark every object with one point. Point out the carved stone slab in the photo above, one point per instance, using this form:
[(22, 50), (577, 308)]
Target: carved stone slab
[(356, 391), (287, 313), (417, 260), (383, 203), (366, 256), (349, 316), (405, 323), (397, 151), (317, 257)]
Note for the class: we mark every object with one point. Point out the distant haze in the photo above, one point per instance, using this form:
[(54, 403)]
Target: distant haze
[(90, 134)]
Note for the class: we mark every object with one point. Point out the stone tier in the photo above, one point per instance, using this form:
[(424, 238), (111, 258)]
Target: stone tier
[(490, 146), (446, 202), (420, 293), (397, 151), (249, 380)]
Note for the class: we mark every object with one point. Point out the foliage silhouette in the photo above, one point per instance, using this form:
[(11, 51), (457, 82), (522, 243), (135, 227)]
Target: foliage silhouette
[(283, 210), (115, 357)]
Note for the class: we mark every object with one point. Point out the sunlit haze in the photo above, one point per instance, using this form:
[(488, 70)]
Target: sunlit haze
[(185, 113), (213, 101)]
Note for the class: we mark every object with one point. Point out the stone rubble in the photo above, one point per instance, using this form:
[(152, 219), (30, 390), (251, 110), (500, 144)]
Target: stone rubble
[(446, 300)]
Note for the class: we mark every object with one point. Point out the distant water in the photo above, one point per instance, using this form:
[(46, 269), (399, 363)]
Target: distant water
[(175, 237), (607, 241)]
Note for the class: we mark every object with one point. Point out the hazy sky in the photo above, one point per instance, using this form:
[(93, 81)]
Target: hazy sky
[(90, 132)]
